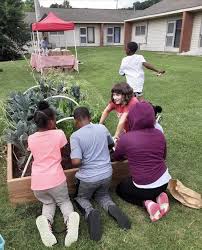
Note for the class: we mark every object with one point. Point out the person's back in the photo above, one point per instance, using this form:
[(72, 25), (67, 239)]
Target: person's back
[(89, 152), (145, 155), (93, 141), (46, 147), (48, 180), (144, 146), (132, 67)]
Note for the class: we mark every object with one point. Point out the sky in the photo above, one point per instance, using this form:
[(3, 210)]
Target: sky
[(100, 4)]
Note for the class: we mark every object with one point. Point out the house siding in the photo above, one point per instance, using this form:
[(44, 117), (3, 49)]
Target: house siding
[(141, 39), (68, 38), (155, 35), (154, 38), (197, 26)]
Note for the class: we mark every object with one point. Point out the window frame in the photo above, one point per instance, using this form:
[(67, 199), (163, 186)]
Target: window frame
[(86, 34), (57, 33), (142, 30), (112, 35)]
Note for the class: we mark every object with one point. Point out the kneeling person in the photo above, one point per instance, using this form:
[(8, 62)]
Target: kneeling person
[(89, 152)]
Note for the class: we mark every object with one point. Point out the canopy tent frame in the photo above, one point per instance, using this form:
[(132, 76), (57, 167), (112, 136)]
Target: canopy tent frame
[(53, 23)]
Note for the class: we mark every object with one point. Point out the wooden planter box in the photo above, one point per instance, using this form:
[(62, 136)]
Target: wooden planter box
[(19, 188)]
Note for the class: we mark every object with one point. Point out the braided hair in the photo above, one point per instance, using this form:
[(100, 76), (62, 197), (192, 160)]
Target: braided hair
[(43, 115)]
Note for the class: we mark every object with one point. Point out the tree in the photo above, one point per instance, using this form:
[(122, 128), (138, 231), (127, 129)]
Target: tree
[(14, 33), (28, 5), (143, 5), (64, 5)]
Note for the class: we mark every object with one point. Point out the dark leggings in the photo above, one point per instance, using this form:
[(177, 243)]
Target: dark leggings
[(130, 193)]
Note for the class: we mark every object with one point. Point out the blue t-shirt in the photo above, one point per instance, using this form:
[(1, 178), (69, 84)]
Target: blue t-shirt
[(90, 144)]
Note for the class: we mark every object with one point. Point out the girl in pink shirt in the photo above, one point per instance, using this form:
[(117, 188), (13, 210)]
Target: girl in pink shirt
[(122, 99), (48, 180)]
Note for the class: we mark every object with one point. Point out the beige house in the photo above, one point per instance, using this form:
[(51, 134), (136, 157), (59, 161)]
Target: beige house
[(94, 27), (170, 25)]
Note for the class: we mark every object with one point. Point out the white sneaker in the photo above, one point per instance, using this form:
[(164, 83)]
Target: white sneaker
[(72, 229), (47, 237)]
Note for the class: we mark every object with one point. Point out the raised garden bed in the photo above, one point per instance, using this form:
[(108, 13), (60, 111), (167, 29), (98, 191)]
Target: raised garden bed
[(19, 188)]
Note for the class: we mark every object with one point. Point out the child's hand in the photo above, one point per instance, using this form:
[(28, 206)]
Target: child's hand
[(160, 72), (115, 142)]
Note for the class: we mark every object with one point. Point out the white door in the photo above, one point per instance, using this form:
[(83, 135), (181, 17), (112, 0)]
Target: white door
[(170, 37), (91, 35)]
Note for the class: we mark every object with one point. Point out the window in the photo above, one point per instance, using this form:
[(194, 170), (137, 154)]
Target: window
[(83, 35), (171, 27), (140, 30), (110, 35), (113, 34), (173, 33), (56, 33), (87, 35)]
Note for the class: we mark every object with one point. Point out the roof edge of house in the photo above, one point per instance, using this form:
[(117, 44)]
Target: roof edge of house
[(164, 14)]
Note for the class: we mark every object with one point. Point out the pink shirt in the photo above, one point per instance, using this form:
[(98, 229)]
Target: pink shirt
[(47, 171)]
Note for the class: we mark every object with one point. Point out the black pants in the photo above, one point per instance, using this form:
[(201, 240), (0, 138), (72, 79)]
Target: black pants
[(130, 193)]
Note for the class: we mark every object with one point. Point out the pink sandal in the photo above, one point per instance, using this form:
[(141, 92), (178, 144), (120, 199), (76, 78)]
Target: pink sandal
[(163, 202), (153, 209)]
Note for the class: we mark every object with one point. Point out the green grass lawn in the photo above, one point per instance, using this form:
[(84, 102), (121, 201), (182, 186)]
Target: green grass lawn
[(179, 92)]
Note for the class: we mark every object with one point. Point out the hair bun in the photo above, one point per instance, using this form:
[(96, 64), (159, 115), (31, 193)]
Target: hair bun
[(43, 105), (158, 109)]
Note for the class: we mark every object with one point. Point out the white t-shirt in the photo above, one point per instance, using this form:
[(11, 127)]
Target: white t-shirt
[(159, 127), (132, 67), (160, 182)]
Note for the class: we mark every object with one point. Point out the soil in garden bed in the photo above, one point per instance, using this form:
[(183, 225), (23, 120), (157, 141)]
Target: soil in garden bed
[(17, 170), (66, 161)]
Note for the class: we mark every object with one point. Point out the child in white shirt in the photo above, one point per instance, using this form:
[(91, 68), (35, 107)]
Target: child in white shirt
[(132, 68)]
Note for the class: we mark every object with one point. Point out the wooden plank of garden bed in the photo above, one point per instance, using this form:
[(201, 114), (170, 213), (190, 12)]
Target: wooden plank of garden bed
[(9, 162), (19, 188)]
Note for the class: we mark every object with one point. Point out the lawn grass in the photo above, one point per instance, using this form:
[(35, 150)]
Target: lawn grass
[(179, 92)]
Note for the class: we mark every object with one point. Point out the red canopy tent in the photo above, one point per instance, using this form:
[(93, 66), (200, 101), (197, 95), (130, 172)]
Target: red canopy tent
[(52, 23)]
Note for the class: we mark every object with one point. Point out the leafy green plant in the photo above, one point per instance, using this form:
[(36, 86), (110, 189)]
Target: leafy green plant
[(20, 106)]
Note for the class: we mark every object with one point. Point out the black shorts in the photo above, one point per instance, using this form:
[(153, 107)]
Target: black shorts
[(138, 94)]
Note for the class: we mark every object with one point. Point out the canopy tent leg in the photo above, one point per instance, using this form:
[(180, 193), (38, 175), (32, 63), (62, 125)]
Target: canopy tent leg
[(34, 42), (38, 42), (76, 50)]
